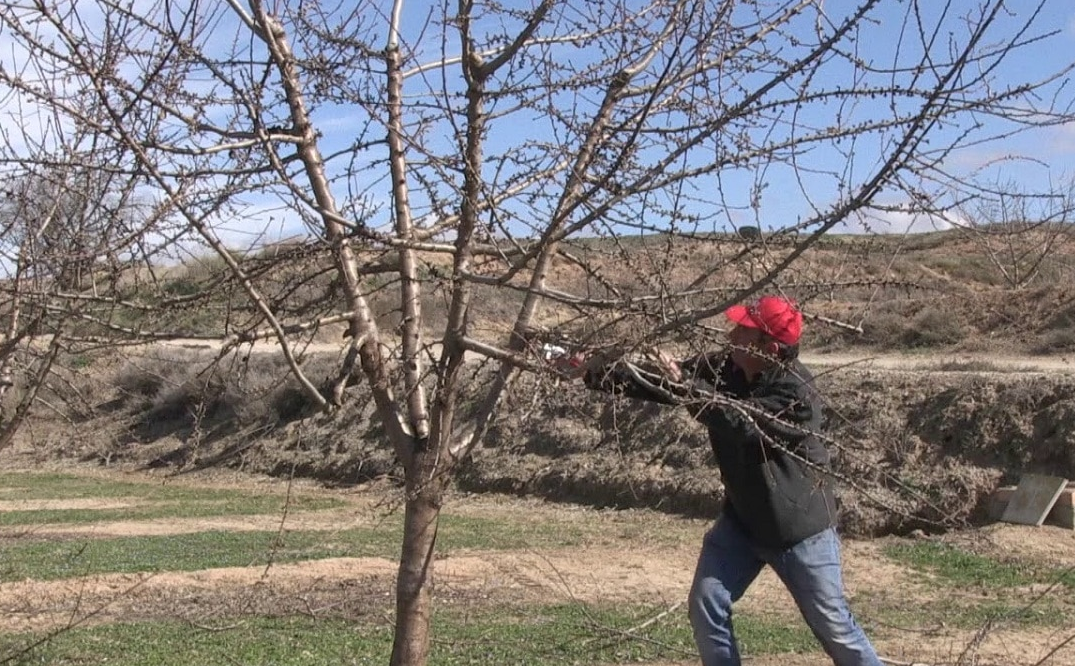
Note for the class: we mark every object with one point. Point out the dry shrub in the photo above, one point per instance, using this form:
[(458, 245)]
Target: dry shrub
[(1058, 331), (910, 454), (179, 389), (933, 327), (67, 390), (1055, 342), (884, 330), (135, 382), (898, 325)]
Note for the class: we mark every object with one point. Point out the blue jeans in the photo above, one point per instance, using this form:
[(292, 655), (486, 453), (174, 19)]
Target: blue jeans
[(810, 569)]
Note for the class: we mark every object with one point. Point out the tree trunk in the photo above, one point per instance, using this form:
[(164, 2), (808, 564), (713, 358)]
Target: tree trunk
[(414, 583)]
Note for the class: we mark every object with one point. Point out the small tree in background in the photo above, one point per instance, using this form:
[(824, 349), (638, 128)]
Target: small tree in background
[(1020, 231), (70, 229), (473, 149)]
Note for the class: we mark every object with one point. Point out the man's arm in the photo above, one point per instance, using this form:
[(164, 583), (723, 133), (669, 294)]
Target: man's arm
[(636, 381), (658, 381), (783, 417)]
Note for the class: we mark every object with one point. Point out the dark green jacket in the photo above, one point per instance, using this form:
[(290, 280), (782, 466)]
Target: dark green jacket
[(772, 465)]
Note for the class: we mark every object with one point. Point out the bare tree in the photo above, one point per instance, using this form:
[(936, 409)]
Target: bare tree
[(66, 226), (472, 149), (1019, 231)]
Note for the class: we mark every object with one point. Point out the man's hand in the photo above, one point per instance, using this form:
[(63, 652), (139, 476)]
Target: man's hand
[(669, 366), (568, 366)]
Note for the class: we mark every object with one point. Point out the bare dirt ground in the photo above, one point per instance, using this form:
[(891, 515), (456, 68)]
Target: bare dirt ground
[(857, 359), (610, 570), (927, 362), (657, 574), (63, 505)]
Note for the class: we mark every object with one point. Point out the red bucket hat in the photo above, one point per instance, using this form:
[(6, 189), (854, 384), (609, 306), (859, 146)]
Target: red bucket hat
[(777, 317)]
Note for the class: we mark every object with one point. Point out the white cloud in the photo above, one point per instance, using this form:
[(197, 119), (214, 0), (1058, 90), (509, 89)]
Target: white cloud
[(893, 222), (259, 225), (1058, 140)]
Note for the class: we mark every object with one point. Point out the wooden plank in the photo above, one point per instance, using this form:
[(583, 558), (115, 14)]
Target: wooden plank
[(1061, 515), (1033, 498)]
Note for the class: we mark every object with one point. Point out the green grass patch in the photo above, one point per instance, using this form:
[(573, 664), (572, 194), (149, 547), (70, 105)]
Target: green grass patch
[(148, 500), (37, 486), (52, 559), (562, 634), (879, 613), (960, 568)]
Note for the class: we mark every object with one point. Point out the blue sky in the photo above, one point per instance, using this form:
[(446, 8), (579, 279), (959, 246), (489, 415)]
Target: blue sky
[(1034, 160)]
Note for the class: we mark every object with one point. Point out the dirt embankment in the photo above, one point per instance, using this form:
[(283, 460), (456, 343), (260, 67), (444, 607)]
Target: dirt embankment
[(913, 449)]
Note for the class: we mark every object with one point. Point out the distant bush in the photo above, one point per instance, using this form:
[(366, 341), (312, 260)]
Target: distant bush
[(191, 400), (972, 269), (885, 330), (933, 327), (181, 389), (976, 365), (896, 325), (137, 383), (182, 286), (1055, 342), (750, 233)]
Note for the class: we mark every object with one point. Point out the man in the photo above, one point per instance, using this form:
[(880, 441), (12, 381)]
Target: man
[(779, 509)]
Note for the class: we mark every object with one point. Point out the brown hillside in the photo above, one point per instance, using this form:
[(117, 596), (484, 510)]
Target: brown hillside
[(981, 291), (915, 448), (946, 290)]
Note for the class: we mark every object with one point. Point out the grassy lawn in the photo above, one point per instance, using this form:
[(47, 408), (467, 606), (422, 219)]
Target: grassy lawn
[(149, 500), (473, 631), (52, 559), (974, 590), (882, 613), (952, 566), (965, 590), (561, 634)]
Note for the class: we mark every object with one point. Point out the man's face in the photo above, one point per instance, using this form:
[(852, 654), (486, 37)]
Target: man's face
[(748, 348)]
